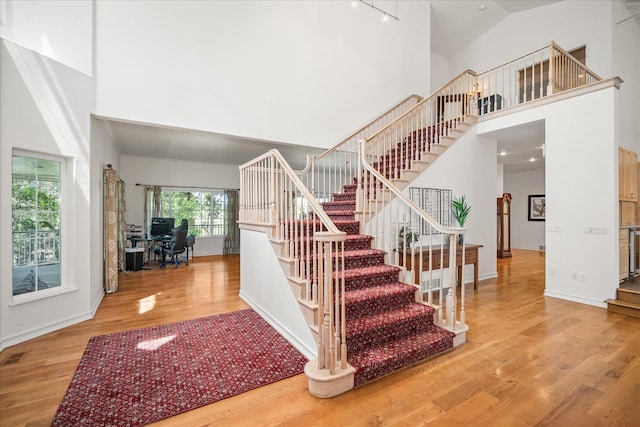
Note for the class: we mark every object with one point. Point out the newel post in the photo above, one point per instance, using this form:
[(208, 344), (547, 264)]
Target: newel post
[(451, 295)]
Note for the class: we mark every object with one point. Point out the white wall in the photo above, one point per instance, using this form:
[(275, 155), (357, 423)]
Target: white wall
[(569, 23), (154, 171), (581, 191), (45, 107), (626, 64), (61, 30), (469, 167), (525, 234), (440, 74), (304, 72), (267, 291), (104, 151)]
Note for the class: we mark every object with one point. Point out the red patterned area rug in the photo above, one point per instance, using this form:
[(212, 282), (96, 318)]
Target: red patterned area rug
[(137, 377)]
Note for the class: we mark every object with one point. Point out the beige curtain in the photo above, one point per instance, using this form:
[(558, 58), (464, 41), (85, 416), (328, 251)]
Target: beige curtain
[(232, 230), (122, 227), (153, 197), (111, 213)]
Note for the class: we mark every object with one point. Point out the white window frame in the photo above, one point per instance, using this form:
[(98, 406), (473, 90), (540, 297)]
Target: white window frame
[(66, 179), (197, 190)]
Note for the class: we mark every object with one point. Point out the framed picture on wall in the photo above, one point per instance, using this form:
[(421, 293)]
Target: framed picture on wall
[(537, 208)]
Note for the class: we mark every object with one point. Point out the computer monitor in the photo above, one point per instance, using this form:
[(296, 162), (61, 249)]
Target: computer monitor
[(161, 226)]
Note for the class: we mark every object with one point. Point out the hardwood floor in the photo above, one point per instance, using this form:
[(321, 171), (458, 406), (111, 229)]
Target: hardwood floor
[(528, 360)]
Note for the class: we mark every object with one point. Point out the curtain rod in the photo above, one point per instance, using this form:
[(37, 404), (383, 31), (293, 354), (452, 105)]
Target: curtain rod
[(185, 186)]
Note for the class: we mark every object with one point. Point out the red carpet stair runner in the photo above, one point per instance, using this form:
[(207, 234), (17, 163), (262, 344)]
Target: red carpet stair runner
[(387, 329)]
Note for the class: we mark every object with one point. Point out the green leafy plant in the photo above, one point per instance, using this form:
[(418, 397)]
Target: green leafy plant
[(407, 236), (461, 209)]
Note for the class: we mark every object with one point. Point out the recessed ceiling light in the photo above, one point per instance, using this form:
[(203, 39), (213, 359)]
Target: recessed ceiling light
[(482, 7), (503, 153), (532, 159)]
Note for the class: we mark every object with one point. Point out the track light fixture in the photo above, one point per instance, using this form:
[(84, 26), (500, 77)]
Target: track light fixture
[(385, 15)]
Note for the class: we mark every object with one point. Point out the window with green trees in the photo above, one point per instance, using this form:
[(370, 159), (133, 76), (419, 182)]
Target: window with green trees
[(36, 197), (205, 210)]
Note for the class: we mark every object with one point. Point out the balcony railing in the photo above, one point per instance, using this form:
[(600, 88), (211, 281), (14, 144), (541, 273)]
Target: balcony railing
[(36, 247), (540, 73)]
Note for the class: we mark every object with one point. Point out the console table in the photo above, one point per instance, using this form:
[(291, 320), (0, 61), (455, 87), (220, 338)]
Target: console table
[(471, 257)]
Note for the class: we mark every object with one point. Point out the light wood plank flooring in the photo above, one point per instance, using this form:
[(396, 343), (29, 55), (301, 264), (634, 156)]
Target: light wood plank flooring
[(528, 360)]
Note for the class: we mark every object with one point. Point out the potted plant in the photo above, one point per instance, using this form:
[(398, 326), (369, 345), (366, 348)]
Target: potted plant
[(461, 211), (407, 236)]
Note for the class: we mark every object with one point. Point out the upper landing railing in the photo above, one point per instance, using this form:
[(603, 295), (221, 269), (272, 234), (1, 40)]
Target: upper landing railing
[(540, 73)]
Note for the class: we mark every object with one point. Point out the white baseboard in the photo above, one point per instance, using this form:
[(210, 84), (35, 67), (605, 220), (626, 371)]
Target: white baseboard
[(38, 332), (96, 304), (302, 348), (575, 298)]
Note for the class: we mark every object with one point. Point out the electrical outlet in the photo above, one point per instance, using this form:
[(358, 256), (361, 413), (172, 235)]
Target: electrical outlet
[(552, 272), (574, 275), (582, 276)]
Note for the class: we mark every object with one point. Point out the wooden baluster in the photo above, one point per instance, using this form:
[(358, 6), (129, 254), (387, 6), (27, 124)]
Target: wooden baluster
[(343, 347), (552, 70)]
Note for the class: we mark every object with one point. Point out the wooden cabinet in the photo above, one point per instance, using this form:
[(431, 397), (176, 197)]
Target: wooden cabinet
[(624, 253), (627, 175)]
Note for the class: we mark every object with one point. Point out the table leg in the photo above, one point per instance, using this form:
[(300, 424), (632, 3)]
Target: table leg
[(475, 276)]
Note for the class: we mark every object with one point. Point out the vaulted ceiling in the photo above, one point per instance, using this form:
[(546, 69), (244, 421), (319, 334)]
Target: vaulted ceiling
[(454, 25)]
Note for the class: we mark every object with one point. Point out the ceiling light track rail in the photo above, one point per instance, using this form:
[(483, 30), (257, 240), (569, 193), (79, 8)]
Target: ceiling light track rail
[(386, 14)]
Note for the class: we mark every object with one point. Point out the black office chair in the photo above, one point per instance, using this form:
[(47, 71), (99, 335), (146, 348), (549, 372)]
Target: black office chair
[(191, 240), (174, 248)]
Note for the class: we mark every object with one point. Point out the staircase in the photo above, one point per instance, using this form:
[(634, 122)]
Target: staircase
[(627, 300), (387, 329), (335, 227)]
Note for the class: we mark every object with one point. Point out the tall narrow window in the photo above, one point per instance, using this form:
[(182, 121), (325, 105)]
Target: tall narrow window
[(36, 194)]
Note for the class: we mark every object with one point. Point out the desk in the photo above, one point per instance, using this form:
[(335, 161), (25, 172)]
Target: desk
[(471, 257)]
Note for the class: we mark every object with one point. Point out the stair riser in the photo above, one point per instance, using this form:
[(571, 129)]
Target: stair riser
[(624, 295), (349, 227), (367, 281), (359, 262), (349, 245), (379, 305), (419, 354), (344, 196), (391, 331), (339, 207), (335, 217)]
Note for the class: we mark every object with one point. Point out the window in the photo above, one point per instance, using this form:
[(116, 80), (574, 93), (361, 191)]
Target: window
[(36, 198), (205, 211)]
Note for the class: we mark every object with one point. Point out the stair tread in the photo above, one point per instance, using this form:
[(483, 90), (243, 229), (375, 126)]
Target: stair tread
[(623, 303)]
